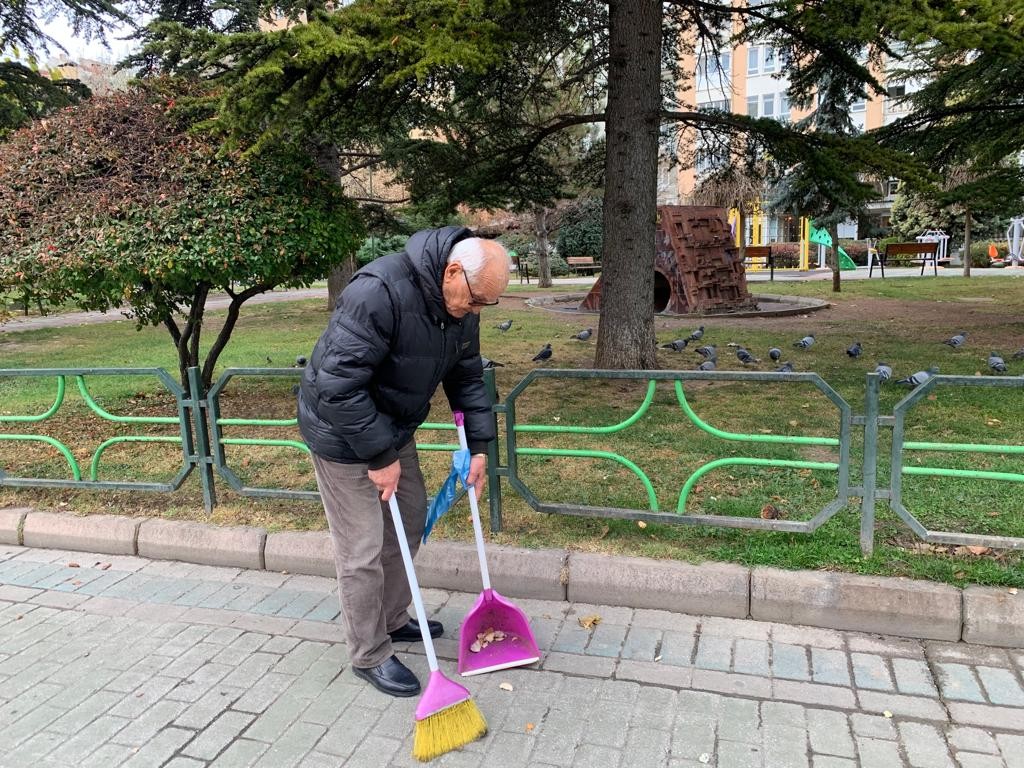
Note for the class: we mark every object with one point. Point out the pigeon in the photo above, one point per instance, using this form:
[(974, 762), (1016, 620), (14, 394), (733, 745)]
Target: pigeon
[(775, 354), (708, 352), (490, 364), (956, 341), (696, 335), (504, 326), (544, 354), (996, 363), (676, 346), (300, 361), (919, 378), (745, 357), (806, 342), (855, 350), (1019, 354), (786, 367), (708, 365), (884, 371), (583, 335)]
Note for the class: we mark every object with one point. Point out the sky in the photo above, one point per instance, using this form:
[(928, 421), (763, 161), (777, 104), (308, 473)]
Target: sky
[(77, 48)]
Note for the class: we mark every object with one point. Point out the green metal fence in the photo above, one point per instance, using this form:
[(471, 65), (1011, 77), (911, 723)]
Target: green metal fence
[(202, 433)]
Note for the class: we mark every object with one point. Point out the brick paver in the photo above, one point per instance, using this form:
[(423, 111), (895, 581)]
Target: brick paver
[(126, 662)]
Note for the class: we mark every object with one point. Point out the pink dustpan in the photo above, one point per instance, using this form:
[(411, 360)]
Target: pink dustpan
[(495, 633), (511, 642)]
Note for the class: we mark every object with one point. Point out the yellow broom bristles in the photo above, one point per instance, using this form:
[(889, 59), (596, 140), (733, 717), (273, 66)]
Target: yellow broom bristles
[(448, 729)]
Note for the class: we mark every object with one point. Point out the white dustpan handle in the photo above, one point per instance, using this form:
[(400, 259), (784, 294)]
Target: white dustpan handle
[(478, 531), (414, 585)]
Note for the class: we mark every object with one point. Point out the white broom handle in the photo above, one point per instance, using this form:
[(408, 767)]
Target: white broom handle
[(478, 530), (414, 585)]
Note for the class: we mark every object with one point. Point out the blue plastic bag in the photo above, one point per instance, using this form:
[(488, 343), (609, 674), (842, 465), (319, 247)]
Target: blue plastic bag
[(448, 492)]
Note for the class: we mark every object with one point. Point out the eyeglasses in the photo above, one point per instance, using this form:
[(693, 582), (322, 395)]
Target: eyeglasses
[(473, 300)]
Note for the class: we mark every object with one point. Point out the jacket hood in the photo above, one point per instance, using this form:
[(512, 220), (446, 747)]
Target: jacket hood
[(428, 249)]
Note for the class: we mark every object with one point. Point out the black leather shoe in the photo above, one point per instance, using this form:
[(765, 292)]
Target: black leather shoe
[(410, 633), (391, 677)]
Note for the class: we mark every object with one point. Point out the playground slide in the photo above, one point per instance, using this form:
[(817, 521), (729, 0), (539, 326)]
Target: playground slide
[(845, 262)]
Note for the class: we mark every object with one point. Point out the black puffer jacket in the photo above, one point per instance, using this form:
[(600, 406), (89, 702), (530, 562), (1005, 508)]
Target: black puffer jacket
[(389, 344)]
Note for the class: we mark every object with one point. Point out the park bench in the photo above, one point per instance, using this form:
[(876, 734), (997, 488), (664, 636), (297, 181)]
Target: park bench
[(919, 253), (522, 269), (582, 264), (760, 256)]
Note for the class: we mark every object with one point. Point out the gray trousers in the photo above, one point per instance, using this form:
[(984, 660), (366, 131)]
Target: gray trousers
[(372, 584)]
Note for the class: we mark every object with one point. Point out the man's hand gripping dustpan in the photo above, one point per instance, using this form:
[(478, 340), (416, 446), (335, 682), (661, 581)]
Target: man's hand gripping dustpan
[(495, 633)]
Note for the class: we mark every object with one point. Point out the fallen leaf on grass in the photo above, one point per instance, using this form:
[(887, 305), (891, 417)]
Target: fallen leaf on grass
[(993, 422), (641, 524), (794, 423), (506, 686), (604, 531), (589, 622), (771, 512)]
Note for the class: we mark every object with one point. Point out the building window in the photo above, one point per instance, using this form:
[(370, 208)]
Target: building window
[(711, 153), (858, 106), (752, 106), (892, 187), (769, 59), (896, 91), (753, 59), (714, 71), (768, 105), (722, 105), (783, 108)]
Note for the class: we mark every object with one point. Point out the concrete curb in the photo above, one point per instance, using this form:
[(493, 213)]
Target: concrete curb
[(993, 616), (106, 534), (308, 552), (889, 606), (719, 589), (11, 521), (527, 573), (894, 606), (237, 546)]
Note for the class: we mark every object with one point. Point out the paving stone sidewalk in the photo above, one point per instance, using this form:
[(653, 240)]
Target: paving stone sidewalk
[(109, 661)]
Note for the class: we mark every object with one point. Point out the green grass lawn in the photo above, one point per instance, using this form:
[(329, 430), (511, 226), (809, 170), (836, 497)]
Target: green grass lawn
[(901, 321)]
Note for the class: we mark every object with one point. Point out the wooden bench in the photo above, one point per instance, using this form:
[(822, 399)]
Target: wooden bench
[(522, 269), (582, 264), (760, 256), (921, 253)]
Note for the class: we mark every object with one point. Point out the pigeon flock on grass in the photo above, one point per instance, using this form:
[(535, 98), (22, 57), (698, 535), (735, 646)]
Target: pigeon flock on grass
[(709, 353)]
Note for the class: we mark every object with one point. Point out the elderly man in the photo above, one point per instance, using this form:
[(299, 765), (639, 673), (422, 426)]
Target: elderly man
[(406, 323)]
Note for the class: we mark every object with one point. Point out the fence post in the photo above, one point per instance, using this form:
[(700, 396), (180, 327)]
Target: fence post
[(200, 453), (493, 458), (870, 470)]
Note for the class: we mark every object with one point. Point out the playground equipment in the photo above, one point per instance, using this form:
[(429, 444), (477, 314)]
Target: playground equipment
[(809, 235), (936, 236), (824, 240), (1015, 241), (695, 264)]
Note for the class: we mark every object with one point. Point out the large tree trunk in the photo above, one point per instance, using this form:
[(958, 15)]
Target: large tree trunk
[(626, 335), (328, 160), (967, 242), (833, 231), (540, 228)]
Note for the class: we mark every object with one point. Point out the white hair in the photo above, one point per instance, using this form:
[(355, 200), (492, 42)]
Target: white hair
[(470, 254)]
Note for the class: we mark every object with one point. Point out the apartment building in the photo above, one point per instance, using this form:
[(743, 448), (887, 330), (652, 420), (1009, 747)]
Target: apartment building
[(747, 79)]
